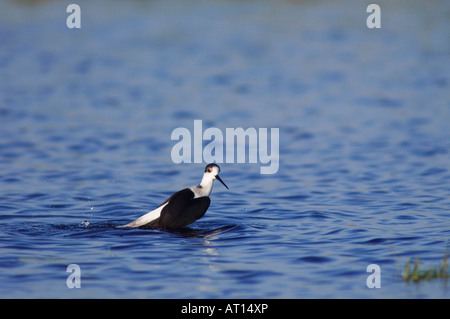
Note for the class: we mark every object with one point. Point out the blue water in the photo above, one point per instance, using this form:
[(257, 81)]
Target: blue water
[(86, 118)]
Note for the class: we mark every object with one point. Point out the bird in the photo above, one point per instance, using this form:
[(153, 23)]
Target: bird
[(183, 207)]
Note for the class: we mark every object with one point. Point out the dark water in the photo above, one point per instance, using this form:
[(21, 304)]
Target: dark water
[(85, 140)]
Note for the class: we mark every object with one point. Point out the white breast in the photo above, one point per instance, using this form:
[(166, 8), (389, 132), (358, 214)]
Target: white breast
[(200, 191)]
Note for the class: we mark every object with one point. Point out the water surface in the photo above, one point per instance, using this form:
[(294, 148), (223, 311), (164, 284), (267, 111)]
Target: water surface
[(85, 139)]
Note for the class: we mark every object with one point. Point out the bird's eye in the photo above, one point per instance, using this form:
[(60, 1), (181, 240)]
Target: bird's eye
[(209, 170)]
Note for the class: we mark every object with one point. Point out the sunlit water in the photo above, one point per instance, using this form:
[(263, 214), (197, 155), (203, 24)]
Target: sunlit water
[(86, 118)]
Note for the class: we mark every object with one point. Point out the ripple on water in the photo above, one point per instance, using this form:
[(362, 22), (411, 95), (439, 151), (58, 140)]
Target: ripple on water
[(315, 259)]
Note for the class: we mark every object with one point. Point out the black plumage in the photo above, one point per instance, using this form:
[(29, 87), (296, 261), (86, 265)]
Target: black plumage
[(181, 210)]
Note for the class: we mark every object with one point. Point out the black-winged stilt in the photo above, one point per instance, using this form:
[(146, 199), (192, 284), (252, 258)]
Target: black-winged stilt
[(183, 207)]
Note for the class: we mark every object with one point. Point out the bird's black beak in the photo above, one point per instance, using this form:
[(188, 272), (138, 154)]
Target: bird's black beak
[(220, 180)]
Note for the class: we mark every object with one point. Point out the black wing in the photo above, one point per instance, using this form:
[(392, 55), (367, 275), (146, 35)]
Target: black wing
[(183, 209)]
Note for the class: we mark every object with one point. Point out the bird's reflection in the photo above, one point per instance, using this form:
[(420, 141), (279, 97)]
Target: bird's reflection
[(189, 232)]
